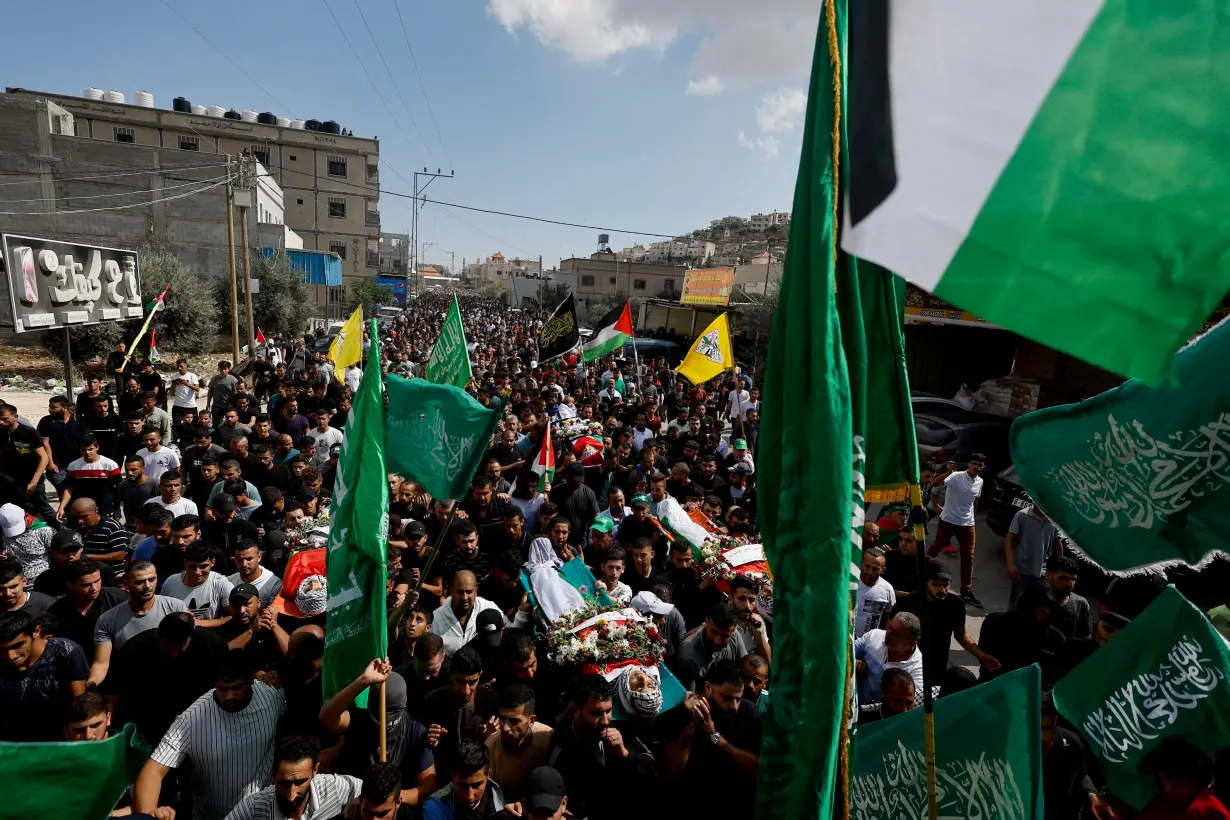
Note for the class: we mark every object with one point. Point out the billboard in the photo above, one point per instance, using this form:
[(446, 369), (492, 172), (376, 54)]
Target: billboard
[(55, 284), (397, 285), (708, 286)]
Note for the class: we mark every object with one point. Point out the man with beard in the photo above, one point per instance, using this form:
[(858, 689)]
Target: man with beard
[(228, 736), (508, 534), (576, 501), (298, 792), (87, 599), (522, 743), (457, 712), (455, 621), (753, 631), (143, 611), (708, 479), (406, 738), (705, 647), (472, 793)]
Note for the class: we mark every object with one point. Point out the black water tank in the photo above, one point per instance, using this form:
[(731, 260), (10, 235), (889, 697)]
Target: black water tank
[(312, 125), (232, 115), (182, 105), (267, 119), (331, 127)]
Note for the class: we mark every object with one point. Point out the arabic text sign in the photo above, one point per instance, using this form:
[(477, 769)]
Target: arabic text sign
[(62, 284), (708, 286)]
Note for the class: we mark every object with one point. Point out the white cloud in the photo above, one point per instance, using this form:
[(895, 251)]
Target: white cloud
[(741, 43), (781, 110), (707, 87), (767, 146)]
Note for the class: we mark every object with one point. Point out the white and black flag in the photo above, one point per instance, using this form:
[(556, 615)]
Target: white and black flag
[(560, 333)]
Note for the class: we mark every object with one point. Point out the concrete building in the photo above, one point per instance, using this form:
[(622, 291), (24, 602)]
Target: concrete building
[(394, 254), (330, 180), (605, 274), (760, 222), (498, 268)]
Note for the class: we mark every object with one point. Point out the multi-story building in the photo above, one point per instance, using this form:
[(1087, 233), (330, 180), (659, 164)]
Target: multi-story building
[(394, 254), (760, 222), (605, 274), (498, 268), (329, 178)]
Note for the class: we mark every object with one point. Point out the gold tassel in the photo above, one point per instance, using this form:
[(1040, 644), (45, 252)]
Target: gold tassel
[(886, 494), (830, 21)]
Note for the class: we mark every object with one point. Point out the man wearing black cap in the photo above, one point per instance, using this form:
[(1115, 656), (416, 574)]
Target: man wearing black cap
[(739, 491), (65, 548), (546, 797), (406, 738), (577, 501), (943, 618), (223, 528), (252, 628), (486, 643)]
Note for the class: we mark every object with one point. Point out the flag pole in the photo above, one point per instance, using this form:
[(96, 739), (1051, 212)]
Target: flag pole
[(396, 617), (918, 517), (384, 750)]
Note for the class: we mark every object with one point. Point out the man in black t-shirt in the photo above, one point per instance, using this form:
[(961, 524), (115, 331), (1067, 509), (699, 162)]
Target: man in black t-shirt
[(23, 461), (61, 433)]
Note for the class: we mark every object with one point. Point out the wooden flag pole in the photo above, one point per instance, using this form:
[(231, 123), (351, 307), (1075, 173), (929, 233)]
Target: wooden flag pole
[(384, 749), (918, 518), (396, 617)]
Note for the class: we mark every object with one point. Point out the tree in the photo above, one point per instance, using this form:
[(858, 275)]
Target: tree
[(550, 295), (284, 303), (493, 290), (187, 323), (369, 294)]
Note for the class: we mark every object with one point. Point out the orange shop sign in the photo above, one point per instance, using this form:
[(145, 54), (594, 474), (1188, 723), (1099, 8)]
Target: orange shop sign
[(708, 286)]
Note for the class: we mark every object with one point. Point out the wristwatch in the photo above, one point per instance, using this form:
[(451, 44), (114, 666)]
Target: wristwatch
[(715, 738)]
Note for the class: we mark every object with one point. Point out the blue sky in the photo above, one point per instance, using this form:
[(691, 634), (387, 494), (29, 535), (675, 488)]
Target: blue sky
[(651, 115)]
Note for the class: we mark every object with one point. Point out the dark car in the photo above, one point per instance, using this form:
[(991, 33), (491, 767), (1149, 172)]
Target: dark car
[(959, 432), (1002, 496)]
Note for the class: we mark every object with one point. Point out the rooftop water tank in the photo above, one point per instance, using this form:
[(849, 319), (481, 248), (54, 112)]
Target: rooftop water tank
[(199, 110), (215, 111), (331, 127), (182, 105), (298, 125), (267, 118), (93, 93), (113, 96), (232, 115), (283, 122), (144, 99), (312, 125), (248, 115)]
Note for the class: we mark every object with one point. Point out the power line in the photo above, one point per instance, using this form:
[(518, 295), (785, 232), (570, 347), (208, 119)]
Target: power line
[(104, 196), (234, 64), (114, 207), (392, 80), (492, 237), (107, 175), (422, 85), (531, 218)]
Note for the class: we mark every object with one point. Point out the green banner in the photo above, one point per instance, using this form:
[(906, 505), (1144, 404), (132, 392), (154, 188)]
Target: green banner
[(449, 362), (1164, 675), (988, 756), (1138, 475), (82, 780), (358, 538), (438, 435)]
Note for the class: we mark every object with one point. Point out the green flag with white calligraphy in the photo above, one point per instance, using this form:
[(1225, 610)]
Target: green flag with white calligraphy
[(358, 538), (438, 435), (449, 362), (988, 756), (1164, 676), (1138, 475)]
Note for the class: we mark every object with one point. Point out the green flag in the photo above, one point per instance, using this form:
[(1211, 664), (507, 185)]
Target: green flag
[(1167, 674), (1138, 475), (438, 435), (449, 362), (805, 479), (358, 537), (82, 781), (988, 756)]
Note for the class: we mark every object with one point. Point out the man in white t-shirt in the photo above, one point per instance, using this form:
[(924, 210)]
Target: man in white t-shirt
[(961, 491), (875, 595), (324, 435), (185, 386), (170, 488), (882, 649), (158, 459), (737, 404), (205, 593)]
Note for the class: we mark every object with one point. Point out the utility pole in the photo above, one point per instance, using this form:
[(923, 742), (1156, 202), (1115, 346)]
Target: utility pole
[(414, 225), (247, 184), (230, 241), (452, 265)]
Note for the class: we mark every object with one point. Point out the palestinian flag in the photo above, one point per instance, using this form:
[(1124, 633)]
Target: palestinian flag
[(613, 332), (260, 337), (1055, 167), (154, 355), (544, 465)]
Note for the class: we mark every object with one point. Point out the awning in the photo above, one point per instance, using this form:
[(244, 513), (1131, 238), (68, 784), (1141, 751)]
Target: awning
[(318, 267)]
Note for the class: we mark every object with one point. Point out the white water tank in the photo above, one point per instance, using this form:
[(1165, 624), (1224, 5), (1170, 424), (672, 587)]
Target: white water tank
[(144, 99), (113, 96), (283, 122), (248, 116), (215, 111), (297, 124), (198, 110), (93, 93)]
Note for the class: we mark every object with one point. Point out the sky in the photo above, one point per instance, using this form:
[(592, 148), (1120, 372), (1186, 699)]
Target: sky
[(635, 115)]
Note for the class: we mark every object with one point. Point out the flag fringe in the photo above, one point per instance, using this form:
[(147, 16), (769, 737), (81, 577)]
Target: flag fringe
[(886, 493)]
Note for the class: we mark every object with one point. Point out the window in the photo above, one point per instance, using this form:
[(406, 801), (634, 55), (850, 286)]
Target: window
[(298, 201), (587, 281), (124, 134), (337, 166), (339, 248), (612, 280), (337, 207), (638, 284), (337, 295), (293, 158), (189, 143), (669, 286), (261, 152)]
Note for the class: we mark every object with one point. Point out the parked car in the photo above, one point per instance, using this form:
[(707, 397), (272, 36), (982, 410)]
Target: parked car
[(655, 349), (947, 433), (1002, 496)]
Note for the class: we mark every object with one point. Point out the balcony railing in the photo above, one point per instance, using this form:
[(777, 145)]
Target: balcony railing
[(373, 259), (372, 219)]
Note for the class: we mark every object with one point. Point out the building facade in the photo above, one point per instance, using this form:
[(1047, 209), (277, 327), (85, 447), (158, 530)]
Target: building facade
[(761, 222), (498, 268), (605, 274), (330, 181), (394, 254)]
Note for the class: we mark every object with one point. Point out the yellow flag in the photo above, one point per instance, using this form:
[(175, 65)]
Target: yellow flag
[(710, 354), (347, 346)]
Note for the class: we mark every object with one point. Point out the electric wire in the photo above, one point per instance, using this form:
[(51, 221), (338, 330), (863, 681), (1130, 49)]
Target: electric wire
[(422, 86), (114, 207), (104, 196)]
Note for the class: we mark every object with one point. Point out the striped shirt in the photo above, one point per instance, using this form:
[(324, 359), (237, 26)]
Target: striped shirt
[(96, 480), (108, 535), (328, 796), (231, 752)]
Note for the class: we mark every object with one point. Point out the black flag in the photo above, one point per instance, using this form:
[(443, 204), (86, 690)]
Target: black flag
[(560, 333)]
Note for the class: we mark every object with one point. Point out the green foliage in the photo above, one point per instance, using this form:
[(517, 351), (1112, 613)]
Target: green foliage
[(186, 325), (284, 303), (367, 293), (493, 290), (550, 294)]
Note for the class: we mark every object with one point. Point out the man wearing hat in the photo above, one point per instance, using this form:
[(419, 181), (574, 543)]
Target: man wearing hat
[(739, 453), (24, 545), (666, 616), (545, 798), (944, 615), (252, 628), (739, 491), (65, 548)]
